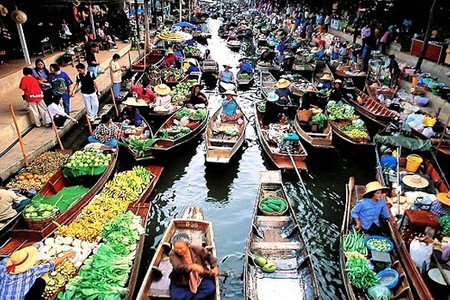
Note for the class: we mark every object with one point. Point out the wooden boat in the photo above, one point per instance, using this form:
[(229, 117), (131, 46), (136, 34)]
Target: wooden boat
[(220, 145), (168, 139), (209, 66), (403, 289), (282, 159), (233, 43), (22, 236), (156, 281), (143, 153), (321, 68), (279, 239), (375, 89), (246, 81), (153, 57), (317, 138), (371, 109), (267, 82), (300, 84)]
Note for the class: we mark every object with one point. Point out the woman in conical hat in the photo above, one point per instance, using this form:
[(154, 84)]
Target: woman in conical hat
[(368, 211), (441, 206), (230, 109)]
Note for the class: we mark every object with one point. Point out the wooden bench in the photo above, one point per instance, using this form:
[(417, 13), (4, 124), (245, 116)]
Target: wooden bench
[(47, 47)]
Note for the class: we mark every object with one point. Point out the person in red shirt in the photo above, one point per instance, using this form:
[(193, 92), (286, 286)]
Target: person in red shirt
[(32, 93), (143, 93), (171, 60)]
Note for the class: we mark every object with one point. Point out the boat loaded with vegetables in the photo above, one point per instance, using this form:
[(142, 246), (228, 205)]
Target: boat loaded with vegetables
[(371, 266), (314, 128), (138, 140), (183, 126), (107, 236), (346, 123)]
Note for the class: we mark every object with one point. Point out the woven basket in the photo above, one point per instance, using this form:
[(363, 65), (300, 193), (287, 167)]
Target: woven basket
[(266, 213), (40, 224), (304, 115)]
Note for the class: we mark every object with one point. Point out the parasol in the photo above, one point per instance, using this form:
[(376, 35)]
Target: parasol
[(185, 24), (174, 36)]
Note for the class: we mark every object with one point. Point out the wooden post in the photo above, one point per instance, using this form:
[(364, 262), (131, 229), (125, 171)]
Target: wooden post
[(114, 102), (88, 122), (22, 148), (55, 130)]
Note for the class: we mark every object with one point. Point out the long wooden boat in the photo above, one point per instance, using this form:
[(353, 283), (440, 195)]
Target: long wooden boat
[(209, 66), (167, 140), (322, 138), (233, 43), (153, 57), (375, 89), (321, 68), (300, 84), (371, 108), (358, 77), (245, 82), (22, 236), (267, 82), (139, 134), (278, 239), (403, 289), (283, 160), (156, 281), (222, 145)]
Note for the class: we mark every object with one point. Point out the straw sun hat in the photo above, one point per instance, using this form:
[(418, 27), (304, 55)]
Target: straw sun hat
[(326, 76), (444, 198), (229, 92), (22, 260), (374, 186), (310, 88), (134, 102), (162, 89), (282, 83), (415, 181), (3, 10)]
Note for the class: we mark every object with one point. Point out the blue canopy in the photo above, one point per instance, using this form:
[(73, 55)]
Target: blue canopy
[(185, 24)]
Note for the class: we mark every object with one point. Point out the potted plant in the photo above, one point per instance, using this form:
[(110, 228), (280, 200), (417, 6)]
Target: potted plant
[(319, 121)]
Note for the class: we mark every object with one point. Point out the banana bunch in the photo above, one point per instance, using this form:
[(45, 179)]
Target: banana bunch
[(429, 121)]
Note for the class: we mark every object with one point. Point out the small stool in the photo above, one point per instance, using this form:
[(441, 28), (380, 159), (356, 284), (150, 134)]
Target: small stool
[(418, 219), (46, 47)]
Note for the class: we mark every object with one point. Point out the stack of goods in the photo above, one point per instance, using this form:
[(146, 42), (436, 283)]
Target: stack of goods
[(181, 91), (346, 120), (85, 162)]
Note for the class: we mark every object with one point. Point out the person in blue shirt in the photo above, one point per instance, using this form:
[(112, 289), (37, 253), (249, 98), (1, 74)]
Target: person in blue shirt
[(245, 66), (367, 211), (387, 161), (230, 108), (226, 75), (192, 67), (283, 91)]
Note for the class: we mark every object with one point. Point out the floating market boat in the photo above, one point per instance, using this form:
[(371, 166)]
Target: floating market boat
[(276, 238), (25, 233), (375, 89), (179, 129), (317, 135), (403, 290), (154, 57), (245, 80), (299, 85), (156, 281), (137, 141), (223, 140), (209, 66), (233, 43), (285, 157), (267, 82), (321, 68), (357, 76)]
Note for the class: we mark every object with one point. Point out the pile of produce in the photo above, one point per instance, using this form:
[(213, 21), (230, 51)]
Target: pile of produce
[(378, 244), (173, 132), (354, 131), (63, 199), (273, 205), (192, 51), (359, 272), (87, 159), (444, 221), (57, 279), (126, 187), (181, 91), (38, 172), (193, 114), (105, 274), (265, 265), (244, 76), (172, 74), (39, 211), (140, 146), (354, 242), (320, 120), (340, 111)]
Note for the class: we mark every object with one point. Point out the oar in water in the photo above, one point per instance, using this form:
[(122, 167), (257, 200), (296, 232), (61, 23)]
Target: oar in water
[(298, 174)]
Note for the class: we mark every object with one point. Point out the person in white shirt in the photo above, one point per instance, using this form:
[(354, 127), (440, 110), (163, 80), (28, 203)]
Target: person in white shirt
[(58, 114)]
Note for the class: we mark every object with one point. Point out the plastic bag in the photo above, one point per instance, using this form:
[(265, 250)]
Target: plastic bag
[(421, 253), (379, 292)]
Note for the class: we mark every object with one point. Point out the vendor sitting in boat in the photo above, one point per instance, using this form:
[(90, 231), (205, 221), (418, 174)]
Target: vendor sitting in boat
[(337, 92), (273, 111), (245, 66), (143, 93), (226, 75), (196, 96), (130, 114), (171, 60), (367, 212), (230, 111), (441, 206), (10, 204), (193, 270), (163, 98), (309, 98), (192, 67), (325, 81), (106, 132), (283, 91)]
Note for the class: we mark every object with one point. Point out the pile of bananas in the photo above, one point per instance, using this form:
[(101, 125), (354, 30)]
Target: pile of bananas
[(125, 188), (429, 121)]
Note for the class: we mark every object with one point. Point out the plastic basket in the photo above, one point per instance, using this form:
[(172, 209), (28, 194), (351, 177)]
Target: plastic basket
[(266, 213), (304, 115), (413, 162)]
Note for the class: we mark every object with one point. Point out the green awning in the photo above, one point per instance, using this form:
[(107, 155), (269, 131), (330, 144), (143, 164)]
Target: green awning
[(406, 142)]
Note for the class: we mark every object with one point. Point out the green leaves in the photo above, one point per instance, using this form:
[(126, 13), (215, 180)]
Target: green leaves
[(140, 146)]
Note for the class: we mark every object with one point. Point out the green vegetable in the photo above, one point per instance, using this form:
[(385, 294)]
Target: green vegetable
[(354, 241), (359, 273), (378, 244), (444, 221), (319, 119), (140, 146)]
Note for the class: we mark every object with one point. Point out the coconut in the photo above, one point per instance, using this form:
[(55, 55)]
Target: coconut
[(49, 241)]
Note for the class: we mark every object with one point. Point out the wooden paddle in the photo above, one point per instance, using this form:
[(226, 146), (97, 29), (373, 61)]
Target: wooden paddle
[(298, 174), (55, 130), (114, 103), (19, 136)]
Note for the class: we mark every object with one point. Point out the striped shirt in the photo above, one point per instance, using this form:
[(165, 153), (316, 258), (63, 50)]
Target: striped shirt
[(16, 286)]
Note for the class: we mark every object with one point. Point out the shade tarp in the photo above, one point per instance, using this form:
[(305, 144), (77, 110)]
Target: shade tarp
[(403, 141), (185, 24)]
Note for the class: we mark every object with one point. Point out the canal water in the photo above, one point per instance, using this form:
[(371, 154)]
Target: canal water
[(227, 193)]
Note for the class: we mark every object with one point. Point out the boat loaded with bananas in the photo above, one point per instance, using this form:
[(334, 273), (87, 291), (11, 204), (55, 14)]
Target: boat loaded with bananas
[(156, 282), (360, 280), (112, 224), (223, 140), (70, 189), (285, 153), (278, 264)]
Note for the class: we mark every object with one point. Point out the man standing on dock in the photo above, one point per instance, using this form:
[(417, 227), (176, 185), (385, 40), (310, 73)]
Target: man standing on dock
[(89, 91)]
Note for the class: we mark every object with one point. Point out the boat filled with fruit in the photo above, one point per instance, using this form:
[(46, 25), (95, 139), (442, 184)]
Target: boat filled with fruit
[(277, 260)]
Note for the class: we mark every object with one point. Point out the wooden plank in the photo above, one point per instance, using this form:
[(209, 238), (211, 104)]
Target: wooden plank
[(278, 219), (270, 177), (160, 286), (277, 245)]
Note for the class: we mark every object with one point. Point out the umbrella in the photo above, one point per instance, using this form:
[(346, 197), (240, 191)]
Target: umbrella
[(185, 24), (174, 36)]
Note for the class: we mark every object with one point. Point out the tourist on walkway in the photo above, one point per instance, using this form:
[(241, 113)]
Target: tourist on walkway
[(386, 39), (57, 113), (89, 91), (33, 95), (367, 211), (116, 70), (61, 84), (20, 273), (93, 65), (41, 73), (106, 132)]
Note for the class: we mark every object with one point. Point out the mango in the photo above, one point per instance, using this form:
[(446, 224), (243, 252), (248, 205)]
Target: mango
[(269, 268), (260, 261)]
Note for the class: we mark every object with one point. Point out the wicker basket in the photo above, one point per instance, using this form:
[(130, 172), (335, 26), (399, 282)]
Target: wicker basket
[(266, 213), (42, 223), (304, 115)]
